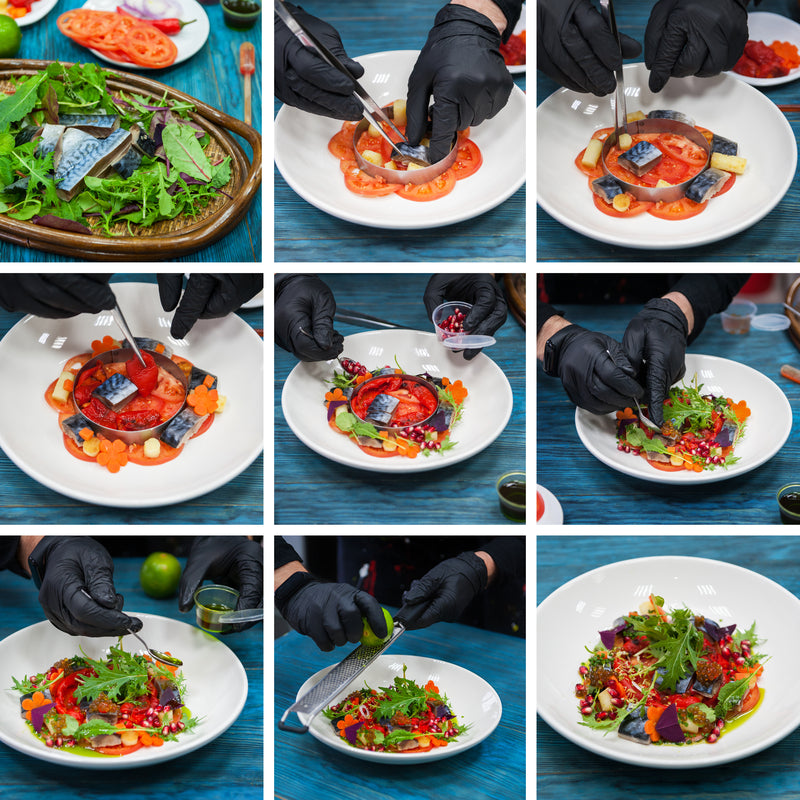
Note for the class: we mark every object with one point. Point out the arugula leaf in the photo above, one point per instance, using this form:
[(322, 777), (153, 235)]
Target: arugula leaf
[(17, 105), (731, 694)]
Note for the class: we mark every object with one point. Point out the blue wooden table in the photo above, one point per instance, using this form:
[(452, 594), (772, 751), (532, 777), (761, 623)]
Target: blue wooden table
[(211, 75), (565, 770), (230, 767), (495, 768), (304, 233), (774, 238), (591, 492), (25, 501), (464, 490)]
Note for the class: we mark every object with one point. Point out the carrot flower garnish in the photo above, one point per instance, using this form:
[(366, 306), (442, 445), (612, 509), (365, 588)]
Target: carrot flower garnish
[(653, 715), (203, 400), (104, 345), (336, 394), (457, 390), (112, 455), (30, 703), (431, 687), (361, 378), (740, 409)]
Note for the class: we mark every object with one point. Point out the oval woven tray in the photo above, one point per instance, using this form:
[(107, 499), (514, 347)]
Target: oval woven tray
[(167, 239)]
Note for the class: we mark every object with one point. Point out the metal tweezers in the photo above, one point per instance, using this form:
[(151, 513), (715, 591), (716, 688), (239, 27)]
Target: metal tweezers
[(620, 112)]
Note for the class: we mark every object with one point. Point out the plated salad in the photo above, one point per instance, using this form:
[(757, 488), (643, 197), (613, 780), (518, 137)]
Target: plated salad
[(107, 707), (670, 678), (401, 718), (700, 431)]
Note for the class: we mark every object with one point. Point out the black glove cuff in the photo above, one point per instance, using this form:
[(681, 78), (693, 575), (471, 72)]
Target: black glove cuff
[(670, 313), (555, 344), (479, 565), (290, 587), (37, 560), (463, 20)]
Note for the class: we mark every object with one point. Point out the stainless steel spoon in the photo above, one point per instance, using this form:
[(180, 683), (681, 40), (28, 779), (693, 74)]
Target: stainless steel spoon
[(158, 655)]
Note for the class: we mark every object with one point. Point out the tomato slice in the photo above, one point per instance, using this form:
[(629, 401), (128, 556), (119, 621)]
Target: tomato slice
[(367, 186), (341, 145), (119, 749), (432, 190), (468, 160), (592, 172), (136, 455), (679, 209), (148, 47), (636, 207), (681, 149)]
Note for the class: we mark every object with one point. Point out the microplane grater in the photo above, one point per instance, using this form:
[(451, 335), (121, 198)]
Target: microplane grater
[(321, 694)]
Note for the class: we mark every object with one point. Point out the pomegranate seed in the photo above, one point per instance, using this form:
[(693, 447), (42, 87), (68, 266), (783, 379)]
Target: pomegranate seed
[(59, 742), (165, 730), (586, 711), (579, 687), (128, 724), (48, 742), (181, 726), (617, 702), (601, 715), (726, 651), (583, 670), (612, 691), (746, 643), (173, 726), (711, 738), (740, 660), (612, 714)]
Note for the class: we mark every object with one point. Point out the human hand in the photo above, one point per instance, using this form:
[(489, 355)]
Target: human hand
[(304, 309), (693, 37), (593, 369), (77, 588), (444, 591), (655, 340), (303, 79), (489, 309), (576, 48), (206, 296), (56, 296), (461, 66)]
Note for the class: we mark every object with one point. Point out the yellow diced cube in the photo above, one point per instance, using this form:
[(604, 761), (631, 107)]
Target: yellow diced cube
[(373, 157), (152, 448), (735, 164)]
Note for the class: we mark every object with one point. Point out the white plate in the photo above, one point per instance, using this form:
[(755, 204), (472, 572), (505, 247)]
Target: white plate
[(486, 410), (301, 154), (768, 426), (723, 104), (30, 436), (553, 513), (216, 703), (722, 591), (38, 10), (472, 700), (766, 27), (189, 41), (518, 69)]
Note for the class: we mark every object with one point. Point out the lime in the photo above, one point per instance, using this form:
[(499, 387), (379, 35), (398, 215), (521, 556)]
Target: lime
[(369, 639), (160, 575), (10, 37)]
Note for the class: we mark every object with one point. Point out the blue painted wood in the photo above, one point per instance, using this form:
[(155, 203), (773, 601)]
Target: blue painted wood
[(24, 501), (464, 491), (211, 75), (492, 770), (591, 492), (304, 233), (565, 770), (774, 238), (229, 768)]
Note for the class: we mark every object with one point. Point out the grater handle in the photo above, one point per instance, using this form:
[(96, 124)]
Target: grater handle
[(290, 728)]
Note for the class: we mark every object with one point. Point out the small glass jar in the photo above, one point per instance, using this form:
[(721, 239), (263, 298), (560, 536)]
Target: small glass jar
[(211, 602), (240, 15), (511, 495)]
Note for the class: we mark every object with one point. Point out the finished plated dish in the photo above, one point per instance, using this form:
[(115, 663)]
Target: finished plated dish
[(670, 678)]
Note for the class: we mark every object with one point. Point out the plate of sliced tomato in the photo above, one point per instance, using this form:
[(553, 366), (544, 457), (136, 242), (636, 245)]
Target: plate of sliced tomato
[(309, 152)]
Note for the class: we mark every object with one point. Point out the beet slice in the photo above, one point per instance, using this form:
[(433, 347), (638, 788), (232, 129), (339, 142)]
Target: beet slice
[(668, 726)]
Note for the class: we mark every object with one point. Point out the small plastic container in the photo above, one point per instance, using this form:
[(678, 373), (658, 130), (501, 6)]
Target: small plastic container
[(457, 339), (240, 15), (789, 503), (738, 316), (211, 602), (511, 495)]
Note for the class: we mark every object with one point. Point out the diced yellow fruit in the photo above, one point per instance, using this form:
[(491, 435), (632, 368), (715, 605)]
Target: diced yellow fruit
[(91, 446), (604, 698), (433, 436), (129, 737), (735, 164), (60, 394), (676, 461), (399, 112), (625, 141), (646, 607), (389, 445), (373, 157), (152, 448), (592, 154), (621, 202), (635, 116), (221, 401), (423, 741), (414, 166), (373, 131), (662, 184), (390, 165)]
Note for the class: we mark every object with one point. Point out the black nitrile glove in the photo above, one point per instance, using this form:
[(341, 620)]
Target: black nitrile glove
[(693, 37), (330, 613), (592, 378), (444, 591), (304, 309), (66, 568), (234, 561), (461, 66), (655, 344), (575, 46), (56, 296), (304, 80), (489, 309), (206, 296)]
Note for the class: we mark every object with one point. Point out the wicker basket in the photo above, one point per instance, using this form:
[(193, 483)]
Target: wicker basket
[(166, 239)]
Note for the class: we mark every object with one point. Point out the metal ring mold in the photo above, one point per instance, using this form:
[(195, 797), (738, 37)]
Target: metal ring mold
[(125, 354), (667, 194), (412, 378)]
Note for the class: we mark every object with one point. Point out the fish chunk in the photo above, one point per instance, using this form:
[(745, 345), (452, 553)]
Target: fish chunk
[(641, 158), (706, 184), (197, 376), (667, 113), (72, 427), (632, 727), (51, 135), (719, 144), (606, 187), (116, 392), (182, 428), (79, 154), (381, 409), (99, 125)]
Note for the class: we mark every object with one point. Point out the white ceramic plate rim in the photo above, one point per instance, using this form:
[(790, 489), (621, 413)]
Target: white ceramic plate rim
[(482, 422), (771, 413), (188, 41), (553, 513), (566, 120), (39, 10), (221, 346), (216, 717), (589, 602), (452, 681), (768, 27), (301, 155)]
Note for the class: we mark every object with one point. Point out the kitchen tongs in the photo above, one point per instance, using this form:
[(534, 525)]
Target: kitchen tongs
[(371, 108), (620, 112)]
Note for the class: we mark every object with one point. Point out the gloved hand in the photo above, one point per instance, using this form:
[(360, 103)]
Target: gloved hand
[(304, 309), (592, 378), (655, 341), (69, 567), (444, 591), (461, 66), (56, 296), (330, 613), (693, 37), (489, 309), (206, 296), (304, 80), (575, 46), (234, 561)]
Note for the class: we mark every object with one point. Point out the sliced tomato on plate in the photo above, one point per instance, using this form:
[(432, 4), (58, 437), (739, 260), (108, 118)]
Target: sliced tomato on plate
[(679, 209), (636, 207), (591, 172), (367, 186), (148, 47), (431, 190), (341, 144), (468, 160)]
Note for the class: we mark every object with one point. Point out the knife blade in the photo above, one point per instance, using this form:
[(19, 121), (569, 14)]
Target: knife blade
[(365, 320)]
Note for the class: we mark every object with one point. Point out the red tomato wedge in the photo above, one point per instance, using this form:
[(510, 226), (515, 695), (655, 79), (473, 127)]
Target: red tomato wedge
[(432, 190)]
